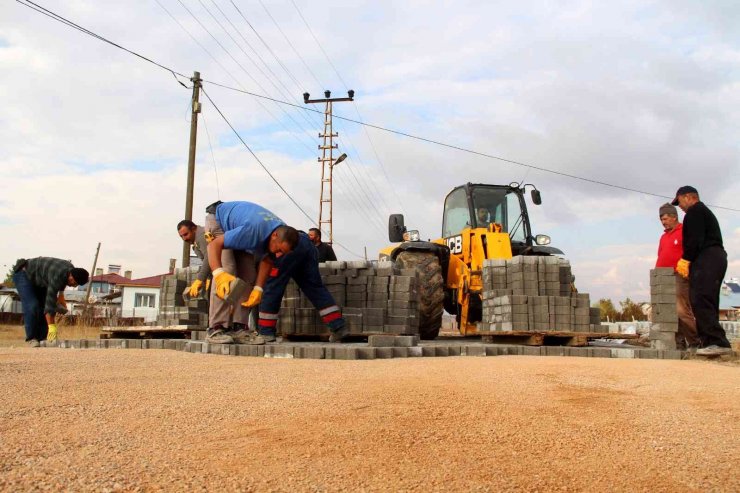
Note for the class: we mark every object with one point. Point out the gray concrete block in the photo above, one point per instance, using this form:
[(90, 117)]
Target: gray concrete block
[(365, 353), (473, 351), (415, 352), (598, 352), (442, 351), (454, 351), (400, 352), (531, 351), (428, 351), (383, 352), (624, 353), (381, 341), (406, 341)]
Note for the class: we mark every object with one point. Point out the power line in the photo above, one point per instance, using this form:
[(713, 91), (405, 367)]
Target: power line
[(58, 18), (259, 161)]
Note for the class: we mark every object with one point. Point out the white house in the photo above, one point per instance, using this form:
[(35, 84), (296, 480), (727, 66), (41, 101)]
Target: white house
[(140, 298)]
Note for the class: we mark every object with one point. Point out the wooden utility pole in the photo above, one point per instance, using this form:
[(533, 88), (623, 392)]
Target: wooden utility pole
[(89, 282), (327, 159), (191, 161)]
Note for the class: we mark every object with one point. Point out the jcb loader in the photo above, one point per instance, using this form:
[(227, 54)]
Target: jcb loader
[(479, 222)]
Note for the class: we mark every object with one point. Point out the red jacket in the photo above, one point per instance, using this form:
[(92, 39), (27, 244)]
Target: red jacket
[(670, 248)]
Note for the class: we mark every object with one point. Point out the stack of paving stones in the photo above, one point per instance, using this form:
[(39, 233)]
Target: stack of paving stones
[(374, 299), (176, 309), (665, 315), (533, 294)]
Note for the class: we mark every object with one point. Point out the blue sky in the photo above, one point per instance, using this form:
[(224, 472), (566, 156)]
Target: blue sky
[(93, 141)]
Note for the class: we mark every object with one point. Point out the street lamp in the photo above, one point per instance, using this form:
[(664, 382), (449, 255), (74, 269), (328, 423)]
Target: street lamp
[(340, 159)]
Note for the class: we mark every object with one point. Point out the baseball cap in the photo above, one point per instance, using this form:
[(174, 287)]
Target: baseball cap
[(682, 191)]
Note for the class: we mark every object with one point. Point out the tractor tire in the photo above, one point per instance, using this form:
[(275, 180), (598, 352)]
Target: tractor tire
[(431, 290)]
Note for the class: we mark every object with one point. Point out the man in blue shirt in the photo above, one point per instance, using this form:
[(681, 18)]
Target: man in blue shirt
[(285, 253)]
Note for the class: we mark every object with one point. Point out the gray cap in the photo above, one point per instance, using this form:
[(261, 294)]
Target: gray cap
[(667, 209)]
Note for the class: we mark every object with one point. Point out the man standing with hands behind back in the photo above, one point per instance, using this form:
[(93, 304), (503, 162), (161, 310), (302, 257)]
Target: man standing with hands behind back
[(704, 264)]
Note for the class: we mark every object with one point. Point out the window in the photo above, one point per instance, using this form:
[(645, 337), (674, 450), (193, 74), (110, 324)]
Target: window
[(144, 299), (457, 214)]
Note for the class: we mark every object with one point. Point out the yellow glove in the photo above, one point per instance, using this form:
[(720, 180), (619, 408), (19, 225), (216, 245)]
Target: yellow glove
[(223, 282), (52, 334), (195, 288), (208, 284), (683, 268), (254, 298)]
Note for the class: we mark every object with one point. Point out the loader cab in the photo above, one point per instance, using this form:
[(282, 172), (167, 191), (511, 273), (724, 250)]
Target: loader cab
[(479, 206)]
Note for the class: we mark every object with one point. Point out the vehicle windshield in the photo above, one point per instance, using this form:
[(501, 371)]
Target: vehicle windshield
[(498, 205)]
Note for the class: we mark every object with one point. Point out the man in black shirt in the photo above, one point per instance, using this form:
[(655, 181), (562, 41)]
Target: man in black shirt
[(325, 251), (704, 263)]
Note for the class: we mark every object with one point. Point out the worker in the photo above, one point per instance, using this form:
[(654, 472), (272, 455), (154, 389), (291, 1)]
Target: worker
[(285, 254), (704, 263), (228, 324), (40, 283), (484, 217), (324, 250), (195, 235), (670, 250)]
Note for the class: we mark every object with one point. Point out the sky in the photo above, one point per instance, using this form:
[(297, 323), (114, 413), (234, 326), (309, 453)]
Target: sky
[(642, 95)]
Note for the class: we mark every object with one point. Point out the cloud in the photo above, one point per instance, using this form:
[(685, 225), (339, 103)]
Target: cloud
[(94, 142)]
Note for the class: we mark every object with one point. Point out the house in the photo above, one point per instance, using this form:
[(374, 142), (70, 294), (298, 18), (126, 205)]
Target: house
[(729, 300), (140, 297), (10, 302)]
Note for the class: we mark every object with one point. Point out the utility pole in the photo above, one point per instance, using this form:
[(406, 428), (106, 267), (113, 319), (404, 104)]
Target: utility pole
[(191, 161), (89, 282), (327, 158)]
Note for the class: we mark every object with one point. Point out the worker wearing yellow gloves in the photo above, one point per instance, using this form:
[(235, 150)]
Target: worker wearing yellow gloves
[(224, 325), (39, 282), (285, 254)]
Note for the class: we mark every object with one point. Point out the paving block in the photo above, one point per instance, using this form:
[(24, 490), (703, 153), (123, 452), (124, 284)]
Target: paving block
[(384, 352), (623, 353), (400, 352), (473, 351), (598, 352), (366, 353), (406, 341), (381, 341), (531, 351), (428, 351), (415, 352), (442, 351)]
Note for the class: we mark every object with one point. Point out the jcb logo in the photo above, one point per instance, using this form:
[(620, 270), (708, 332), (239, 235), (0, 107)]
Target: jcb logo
[(454, 243)]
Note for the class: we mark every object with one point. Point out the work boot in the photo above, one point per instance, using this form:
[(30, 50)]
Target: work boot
[(217, 335), (260, 339), (339, 335), (713, 350), (33, 343), (240, 335)]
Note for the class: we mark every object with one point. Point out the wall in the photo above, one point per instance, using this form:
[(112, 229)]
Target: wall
[(128, 310)]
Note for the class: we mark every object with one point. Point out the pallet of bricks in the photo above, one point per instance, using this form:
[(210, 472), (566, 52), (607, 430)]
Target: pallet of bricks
[(374, 299), (530, 298), (173, 307), (664, 310)]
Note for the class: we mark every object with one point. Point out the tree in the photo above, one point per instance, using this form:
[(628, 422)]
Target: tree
[(8, 282), (631, 311), (608, 312)]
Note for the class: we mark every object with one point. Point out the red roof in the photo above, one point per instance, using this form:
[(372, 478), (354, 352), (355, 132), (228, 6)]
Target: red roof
[(109, 278), (153, 281)]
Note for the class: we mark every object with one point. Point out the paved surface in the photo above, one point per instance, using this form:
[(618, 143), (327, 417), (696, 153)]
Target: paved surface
[(167, 420)]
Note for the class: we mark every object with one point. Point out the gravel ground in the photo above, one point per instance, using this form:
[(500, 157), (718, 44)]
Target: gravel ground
[(108, 420)]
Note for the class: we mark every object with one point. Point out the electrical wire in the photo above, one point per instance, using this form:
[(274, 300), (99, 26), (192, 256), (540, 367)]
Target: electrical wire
[(213, 157), (264, 167), (58, 18)]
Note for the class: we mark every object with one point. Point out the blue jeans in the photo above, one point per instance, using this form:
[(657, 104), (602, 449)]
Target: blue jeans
[(302, 266), (33, 299)]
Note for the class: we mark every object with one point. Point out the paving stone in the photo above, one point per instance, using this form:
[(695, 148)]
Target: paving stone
[(531, 351), (598, 352), (366, 353), (415, 352), (381, 341), (671, 354), (401, 352), (474, 351), (454, 351), (581, 352), (383, 352), (428, 351), (312, 352)]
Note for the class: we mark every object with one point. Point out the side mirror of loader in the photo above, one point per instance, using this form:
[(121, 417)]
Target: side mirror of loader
[(536, 198), (396, 229)]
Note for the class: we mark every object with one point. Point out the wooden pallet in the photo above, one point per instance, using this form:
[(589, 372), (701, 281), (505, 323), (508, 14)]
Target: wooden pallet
[(148, 331), (555, 338)]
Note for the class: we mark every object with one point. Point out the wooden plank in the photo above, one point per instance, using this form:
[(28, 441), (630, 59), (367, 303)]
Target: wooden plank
[(151, 328)]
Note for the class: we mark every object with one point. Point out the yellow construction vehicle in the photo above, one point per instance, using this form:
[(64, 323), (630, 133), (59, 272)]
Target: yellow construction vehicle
[(479, 222)]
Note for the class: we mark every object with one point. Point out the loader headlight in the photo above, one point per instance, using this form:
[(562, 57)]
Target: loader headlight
[(412, 235), (542, 239)]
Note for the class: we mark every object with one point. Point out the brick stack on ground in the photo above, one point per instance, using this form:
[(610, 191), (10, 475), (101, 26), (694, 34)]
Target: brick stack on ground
[(173, 309), (533, 294), (375, 299), (665, 314)]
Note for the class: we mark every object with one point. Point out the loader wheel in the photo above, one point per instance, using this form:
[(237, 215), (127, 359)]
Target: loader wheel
[(431, 290)]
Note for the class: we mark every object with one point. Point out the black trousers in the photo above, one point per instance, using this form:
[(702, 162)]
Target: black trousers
[(705, 280)]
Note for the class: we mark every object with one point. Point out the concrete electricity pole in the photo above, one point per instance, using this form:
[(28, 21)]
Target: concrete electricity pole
[(327, 158), (191, 162)]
